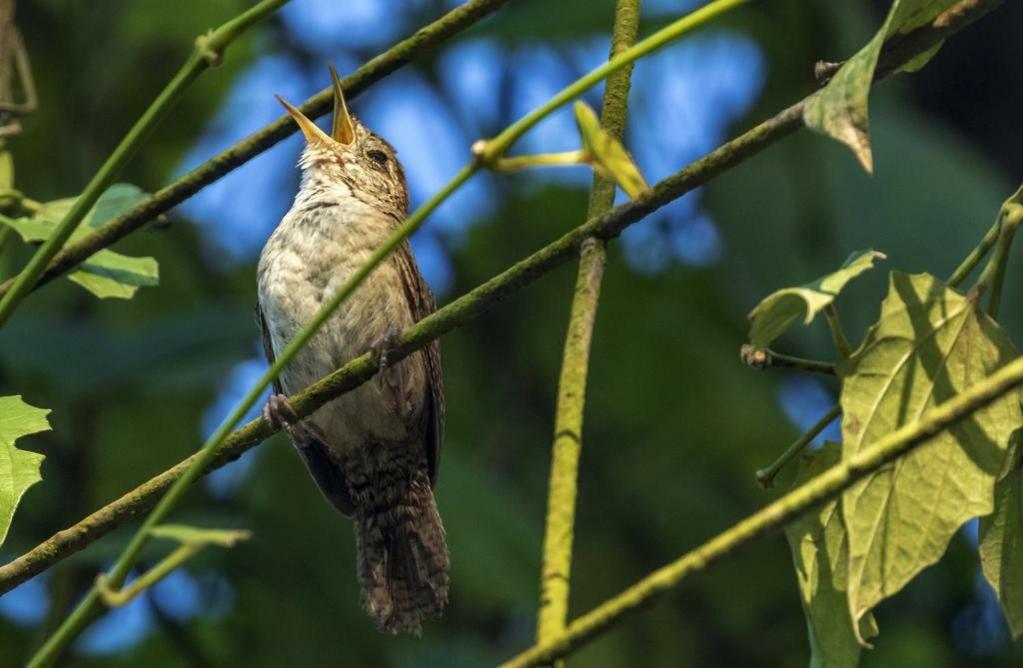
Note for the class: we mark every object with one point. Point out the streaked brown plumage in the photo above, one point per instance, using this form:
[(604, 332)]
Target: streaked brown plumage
[(375, 451)]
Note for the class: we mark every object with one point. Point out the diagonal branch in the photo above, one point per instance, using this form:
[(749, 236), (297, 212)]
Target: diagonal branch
[(567, 447), (223, 163), (457, 313), (764, 522)]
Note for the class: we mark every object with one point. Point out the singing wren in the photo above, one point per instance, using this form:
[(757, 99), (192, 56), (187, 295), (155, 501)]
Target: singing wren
[(374, 452)]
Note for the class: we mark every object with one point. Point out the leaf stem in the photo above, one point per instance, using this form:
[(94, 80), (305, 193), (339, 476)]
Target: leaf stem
[(207, 53), (520, 162), (976, 255), (762, 358), (774, 516), (112, 597), (567, 446), (837, 332), (766, 476)]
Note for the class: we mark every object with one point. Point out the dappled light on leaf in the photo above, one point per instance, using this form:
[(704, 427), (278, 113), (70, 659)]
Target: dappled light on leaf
[(929, 345)]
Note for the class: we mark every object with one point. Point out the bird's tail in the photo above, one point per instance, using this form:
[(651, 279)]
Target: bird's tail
[(403, 558)]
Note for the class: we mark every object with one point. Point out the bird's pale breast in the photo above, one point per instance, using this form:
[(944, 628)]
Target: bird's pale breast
[(309, 257)]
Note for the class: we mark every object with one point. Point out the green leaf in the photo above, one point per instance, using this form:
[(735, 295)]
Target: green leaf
[(819, 553), (19, 469), (187, 535), (1001, 547), (929, 345), (6, 170), (840, 109), (106, 273), (780, 309), (607, 153), (114, 201)]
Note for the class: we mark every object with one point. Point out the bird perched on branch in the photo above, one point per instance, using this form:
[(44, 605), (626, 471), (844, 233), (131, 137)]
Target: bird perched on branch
[(374, 452)]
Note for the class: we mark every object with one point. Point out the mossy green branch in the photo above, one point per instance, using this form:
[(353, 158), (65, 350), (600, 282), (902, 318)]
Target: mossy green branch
[(208, 52), (223, 163), (567, 446), (774, 516)]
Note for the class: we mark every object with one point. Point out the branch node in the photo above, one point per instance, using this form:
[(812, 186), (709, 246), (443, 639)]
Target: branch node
[(757, 358), (205, 48)]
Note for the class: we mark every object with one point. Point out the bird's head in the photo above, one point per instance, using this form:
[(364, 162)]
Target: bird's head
[(352, 156)]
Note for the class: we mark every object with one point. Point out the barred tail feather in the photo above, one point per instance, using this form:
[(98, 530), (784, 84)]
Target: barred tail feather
[(403, 559)]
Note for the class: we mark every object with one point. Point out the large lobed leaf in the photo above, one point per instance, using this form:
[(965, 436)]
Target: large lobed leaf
[(820, 554), (929, 345), (19, 469), (840, 109), (1001, 546), (780, 309), (106, 273)]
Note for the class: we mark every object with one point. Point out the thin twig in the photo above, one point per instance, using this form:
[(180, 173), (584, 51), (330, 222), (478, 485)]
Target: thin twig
[(766, 476), (209, 51), (65, 543), (774, 516), (567, 446)]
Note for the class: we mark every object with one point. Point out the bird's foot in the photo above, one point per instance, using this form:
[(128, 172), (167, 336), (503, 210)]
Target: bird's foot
[(382, 346), (278, 413)]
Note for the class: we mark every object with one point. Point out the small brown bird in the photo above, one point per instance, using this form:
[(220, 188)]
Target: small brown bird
[(374, 452)]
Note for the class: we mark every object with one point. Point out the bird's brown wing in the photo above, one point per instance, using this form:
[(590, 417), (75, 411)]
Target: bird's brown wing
[(327, 474), (422, 304), (268, 348)]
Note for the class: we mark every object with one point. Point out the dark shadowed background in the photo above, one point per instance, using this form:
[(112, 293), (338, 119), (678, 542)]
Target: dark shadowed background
[(675, 425)]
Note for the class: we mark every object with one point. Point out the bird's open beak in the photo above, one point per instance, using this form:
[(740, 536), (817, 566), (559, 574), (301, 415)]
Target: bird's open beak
[(343, 129), (313, 134)]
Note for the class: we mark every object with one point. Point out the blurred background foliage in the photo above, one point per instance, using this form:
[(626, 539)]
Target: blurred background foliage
[(675, 425)]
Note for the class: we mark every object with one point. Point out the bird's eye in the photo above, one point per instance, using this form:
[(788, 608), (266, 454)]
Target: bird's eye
[(376, 156)]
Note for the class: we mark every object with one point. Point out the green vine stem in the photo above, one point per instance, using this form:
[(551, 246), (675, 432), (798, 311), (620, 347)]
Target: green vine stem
[(457, 313), (220, 165), (1010, 216), (208, 52), (566, 449), (773, 516), (489, 151)]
